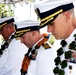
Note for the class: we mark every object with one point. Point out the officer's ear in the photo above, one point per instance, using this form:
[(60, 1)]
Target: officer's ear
[(33, 33), (67, 15)]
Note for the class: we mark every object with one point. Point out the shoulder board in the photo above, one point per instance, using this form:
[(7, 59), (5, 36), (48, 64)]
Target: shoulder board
[(46, 46)]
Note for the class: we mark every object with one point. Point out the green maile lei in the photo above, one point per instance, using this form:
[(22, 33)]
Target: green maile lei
[(63, 64)]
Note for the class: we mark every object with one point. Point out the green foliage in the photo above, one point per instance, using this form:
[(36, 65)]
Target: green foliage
[(6, 10), (51, 39)]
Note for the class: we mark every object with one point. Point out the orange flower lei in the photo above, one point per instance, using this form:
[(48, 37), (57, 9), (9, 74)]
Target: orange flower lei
[(27, 58), (43, 40)]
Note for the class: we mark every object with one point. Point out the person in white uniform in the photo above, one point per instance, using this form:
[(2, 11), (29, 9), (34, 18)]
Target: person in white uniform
[(59, 18), (40, 56), (11, 53)]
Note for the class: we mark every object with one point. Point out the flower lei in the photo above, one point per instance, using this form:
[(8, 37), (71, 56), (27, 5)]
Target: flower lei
[(63, 64), (34, 52), (31, 54)]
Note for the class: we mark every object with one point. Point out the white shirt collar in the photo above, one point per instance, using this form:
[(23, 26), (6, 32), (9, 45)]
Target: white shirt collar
[(70, 38), (11, 35), (37, 43)]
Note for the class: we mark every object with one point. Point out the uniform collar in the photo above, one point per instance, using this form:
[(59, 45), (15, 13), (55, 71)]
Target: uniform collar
[(37, 43), (11, 36), (71, 37)]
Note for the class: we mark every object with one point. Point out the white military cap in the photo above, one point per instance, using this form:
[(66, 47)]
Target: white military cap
[(26, 26), (49, 10), (5, 21)]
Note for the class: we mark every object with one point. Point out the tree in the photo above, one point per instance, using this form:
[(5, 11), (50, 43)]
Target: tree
[(51, 39), (6, 10)]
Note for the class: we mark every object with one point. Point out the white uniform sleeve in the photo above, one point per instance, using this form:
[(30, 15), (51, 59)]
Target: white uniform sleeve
[(15, 57), (45, 60)]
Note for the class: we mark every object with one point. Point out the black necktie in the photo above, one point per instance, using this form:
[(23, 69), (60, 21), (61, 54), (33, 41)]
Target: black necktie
[(12, 36), (3, 47)]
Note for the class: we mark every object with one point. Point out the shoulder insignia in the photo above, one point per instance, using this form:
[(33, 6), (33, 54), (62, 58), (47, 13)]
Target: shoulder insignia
[(46, 46)]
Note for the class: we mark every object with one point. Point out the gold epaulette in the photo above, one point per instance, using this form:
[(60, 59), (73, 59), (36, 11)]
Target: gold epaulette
[(46, 46)]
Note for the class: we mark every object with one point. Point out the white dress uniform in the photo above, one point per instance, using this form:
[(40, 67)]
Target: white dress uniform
[(44, 63), (13, 58), (72, 63), (3, 58), (47, 16), (41, 55)]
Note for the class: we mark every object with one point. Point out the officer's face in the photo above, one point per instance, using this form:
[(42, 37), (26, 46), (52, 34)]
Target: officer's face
[(4, 32), (27, 39), (59, 27)]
